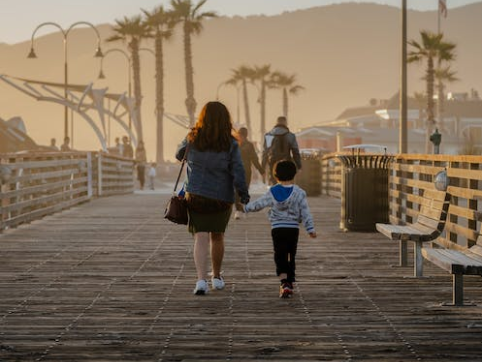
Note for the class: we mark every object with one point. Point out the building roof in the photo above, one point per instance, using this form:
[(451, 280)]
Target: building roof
[(13, 140), (463, 108), (357, 112)]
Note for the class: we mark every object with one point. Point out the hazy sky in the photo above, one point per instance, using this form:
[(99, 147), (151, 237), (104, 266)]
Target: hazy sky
[(18, 18)]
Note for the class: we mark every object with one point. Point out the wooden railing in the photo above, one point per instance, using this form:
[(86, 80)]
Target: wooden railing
[(410, 175), (331, 174), (37, 184)]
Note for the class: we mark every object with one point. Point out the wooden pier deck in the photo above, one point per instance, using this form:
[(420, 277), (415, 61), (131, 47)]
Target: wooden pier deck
[(112, 281)]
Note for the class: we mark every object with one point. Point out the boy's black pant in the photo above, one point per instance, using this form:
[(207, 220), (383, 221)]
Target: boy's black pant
[(285, 243)]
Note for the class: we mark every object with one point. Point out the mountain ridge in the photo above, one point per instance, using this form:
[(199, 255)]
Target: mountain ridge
[(343, 54)]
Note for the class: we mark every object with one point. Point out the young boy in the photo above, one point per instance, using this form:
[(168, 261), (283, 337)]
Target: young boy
[(288, 208)]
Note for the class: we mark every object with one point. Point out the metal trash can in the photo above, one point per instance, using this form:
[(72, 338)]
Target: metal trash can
[(365, 191), (309, 179)]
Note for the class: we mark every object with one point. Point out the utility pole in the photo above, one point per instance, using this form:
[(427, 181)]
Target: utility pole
[(403, 84)]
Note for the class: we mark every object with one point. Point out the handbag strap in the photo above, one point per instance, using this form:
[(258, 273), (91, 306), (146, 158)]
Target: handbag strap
[(184, 159)]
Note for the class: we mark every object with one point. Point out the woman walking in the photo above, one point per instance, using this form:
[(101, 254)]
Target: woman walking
[(214, 171)]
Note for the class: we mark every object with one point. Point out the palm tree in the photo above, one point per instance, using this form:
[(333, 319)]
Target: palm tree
[(288, 85), (189, 14), (241, 76), (431, 48), (261, 74), (421, 100), (443, 75), (132, 31), (161, 22)]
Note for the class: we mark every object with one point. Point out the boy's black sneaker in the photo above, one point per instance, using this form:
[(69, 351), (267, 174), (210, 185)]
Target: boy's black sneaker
[(286, 290)]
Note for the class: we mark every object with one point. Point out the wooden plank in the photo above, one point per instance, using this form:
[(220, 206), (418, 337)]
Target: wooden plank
[(121, 290), (461, 230), (412, 168), (463, 212), (464, 193), (464, 173)]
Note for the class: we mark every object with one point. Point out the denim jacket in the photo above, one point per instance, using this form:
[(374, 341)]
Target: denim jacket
[(214, 174)]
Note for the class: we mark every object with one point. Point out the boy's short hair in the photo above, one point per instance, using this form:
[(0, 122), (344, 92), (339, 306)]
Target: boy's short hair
[(285, 170)]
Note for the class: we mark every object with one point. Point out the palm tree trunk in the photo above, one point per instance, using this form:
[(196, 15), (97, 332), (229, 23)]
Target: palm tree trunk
[(136, 71), (285, 102), (159, 98), (246, 106), (430, 103), (440, 104), (190, 101), (263, 107)]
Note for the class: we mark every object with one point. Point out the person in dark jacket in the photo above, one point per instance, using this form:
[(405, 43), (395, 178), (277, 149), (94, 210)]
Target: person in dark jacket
[(141, 159), (280, 144), (214, 171), (250, 158)]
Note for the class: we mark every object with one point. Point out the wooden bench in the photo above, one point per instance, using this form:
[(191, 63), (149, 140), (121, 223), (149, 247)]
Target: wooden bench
[(458, 260), (458, 263), (429, 225)]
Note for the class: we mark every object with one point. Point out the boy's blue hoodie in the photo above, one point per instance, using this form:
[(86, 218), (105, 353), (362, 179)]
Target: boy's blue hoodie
[(288, 207)]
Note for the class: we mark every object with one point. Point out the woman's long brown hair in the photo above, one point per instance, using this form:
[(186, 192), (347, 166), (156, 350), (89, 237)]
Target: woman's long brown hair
[(212, 131)]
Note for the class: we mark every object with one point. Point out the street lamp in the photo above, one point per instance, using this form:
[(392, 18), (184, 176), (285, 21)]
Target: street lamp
[(129, 69), (129, 77), (65, 33), (402, 122)]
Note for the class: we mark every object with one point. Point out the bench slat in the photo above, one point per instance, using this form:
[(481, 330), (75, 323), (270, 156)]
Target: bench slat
[(412, 232), (455, 262), (431, 223), (477, 249)]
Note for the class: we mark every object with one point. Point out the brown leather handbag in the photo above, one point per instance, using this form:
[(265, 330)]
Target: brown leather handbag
[(176, 208)]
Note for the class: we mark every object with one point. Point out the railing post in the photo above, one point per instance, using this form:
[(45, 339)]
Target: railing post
[(89, 175), (99, 174), (417, 259), (458, 289), (343, 199), (403, 252)]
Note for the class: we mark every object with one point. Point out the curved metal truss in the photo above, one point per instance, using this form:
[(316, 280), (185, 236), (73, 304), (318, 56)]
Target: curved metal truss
[(82, 99)]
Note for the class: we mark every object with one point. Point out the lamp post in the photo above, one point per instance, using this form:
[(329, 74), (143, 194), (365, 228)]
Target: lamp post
[(402, 122), (65, 33), (129, 77)]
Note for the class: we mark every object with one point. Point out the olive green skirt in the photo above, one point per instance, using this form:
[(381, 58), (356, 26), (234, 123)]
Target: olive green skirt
[(207, 215)]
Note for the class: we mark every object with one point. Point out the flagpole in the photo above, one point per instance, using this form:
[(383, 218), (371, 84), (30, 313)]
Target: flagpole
[(438, 17)]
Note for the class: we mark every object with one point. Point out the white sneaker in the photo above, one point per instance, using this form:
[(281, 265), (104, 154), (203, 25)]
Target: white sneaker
[(201, 287), (237, 215), (218, 283)]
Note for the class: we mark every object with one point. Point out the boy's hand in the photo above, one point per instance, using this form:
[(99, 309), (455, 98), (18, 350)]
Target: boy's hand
[(312, 235)]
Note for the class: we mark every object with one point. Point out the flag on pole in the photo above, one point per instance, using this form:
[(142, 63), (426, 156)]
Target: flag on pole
[(442, 7)]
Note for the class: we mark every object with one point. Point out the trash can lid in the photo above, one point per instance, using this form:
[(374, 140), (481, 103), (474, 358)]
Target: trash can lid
[(364, 146)]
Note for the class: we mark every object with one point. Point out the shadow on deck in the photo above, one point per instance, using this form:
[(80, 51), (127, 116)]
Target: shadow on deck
[(112, 281)]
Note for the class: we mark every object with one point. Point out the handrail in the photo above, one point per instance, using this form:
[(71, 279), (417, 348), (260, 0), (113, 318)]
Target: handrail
[(33, 185)]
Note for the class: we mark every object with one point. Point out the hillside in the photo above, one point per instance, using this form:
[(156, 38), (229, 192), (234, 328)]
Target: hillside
[(342, 54)]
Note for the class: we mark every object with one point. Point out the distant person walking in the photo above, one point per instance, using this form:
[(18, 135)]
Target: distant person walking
[(214, 171), (127, 150), (152, 173), (288, 207), (53, 145), (141, 164), (280, 144), (119, 147), (65, 147), (249, 158)]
